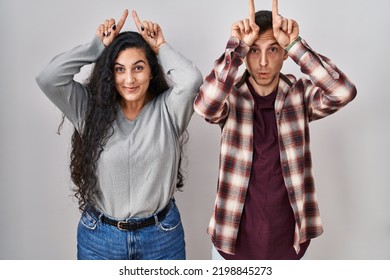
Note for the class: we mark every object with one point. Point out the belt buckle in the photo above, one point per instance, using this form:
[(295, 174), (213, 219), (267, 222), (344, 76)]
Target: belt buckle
[(119, 225)]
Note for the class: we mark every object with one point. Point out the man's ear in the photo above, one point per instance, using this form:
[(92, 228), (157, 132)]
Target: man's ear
[(285, 56)]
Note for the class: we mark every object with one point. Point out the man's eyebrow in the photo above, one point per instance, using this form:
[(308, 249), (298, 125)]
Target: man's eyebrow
[(272, 44)]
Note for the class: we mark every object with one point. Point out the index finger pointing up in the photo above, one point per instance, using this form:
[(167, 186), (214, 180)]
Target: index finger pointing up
[(252, 10), (137, 21), (122, 20), (275, 11)]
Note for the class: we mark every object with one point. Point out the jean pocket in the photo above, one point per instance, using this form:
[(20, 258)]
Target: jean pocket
[(171, 221), (89, 221)]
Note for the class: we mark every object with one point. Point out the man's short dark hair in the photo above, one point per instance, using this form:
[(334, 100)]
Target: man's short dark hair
[(264, 20)]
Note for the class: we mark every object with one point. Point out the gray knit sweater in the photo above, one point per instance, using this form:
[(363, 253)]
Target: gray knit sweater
[(137, 171)]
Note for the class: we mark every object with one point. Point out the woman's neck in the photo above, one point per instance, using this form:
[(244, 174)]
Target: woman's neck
[(132, 109)]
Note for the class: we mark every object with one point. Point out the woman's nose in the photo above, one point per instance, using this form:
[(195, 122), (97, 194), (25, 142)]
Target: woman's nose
[(129, 78)]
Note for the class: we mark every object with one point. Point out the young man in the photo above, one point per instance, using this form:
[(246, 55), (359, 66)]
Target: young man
[(266, 205)]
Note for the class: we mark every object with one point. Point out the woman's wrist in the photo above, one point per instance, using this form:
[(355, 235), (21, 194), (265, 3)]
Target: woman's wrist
[(157, 47)]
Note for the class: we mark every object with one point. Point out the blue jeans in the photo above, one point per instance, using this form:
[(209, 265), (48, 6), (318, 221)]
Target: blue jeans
[(162, 241)]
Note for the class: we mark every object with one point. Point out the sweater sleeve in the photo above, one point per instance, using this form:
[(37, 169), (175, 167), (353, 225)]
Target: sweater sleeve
[(328, 88), (56, 80), (186, 80)]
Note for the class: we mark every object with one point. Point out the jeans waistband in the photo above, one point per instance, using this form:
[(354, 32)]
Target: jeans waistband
[(132, 225)]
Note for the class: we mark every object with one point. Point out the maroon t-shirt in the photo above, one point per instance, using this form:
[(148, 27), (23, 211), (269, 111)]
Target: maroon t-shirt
[(267, 224)]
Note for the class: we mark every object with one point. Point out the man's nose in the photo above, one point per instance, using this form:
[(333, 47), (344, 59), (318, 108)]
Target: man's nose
[(263, 60)]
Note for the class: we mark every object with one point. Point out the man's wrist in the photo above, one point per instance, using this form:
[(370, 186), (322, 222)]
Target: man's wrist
[(298, 39)]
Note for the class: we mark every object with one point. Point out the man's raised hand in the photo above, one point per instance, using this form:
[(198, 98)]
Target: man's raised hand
[(247, 29), (285, 30)]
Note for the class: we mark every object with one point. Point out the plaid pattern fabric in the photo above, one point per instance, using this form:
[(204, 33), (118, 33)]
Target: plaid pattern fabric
[(225, 99)]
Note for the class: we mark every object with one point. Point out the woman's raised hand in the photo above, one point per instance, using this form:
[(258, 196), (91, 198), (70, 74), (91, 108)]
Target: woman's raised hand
[(108, 30), (150, 31)]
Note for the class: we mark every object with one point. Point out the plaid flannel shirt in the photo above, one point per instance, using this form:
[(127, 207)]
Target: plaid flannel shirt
[(225, 99)]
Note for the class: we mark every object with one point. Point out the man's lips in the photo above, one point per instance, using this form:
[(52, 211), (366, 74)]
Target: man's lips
[(263, 74)]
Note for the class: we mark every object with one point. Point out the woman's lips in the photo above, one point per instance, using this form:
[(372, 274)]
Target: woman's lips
[(130, 89)]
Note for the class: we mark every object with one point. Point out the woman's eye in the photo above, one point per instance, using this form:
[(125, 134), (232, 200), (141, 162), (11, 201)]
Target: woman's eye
[(139, 68), (119, 69)]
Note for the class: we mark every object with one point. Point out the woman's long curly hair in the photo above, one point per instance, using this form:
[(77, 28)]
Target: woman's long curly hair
[(88, 143)]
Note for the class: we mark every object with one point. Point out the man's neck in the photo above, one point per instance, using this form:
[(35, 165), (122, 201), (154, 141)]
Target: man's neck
[(264, 90)]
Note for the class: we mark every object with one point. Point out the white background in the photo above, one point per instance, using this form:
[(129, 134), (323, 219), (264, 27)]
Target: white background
[(38, 215)]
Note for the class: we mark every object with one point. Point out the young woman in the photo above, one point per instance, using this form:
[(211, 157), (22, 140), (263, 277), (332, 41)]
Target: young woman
[(126, 147)]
